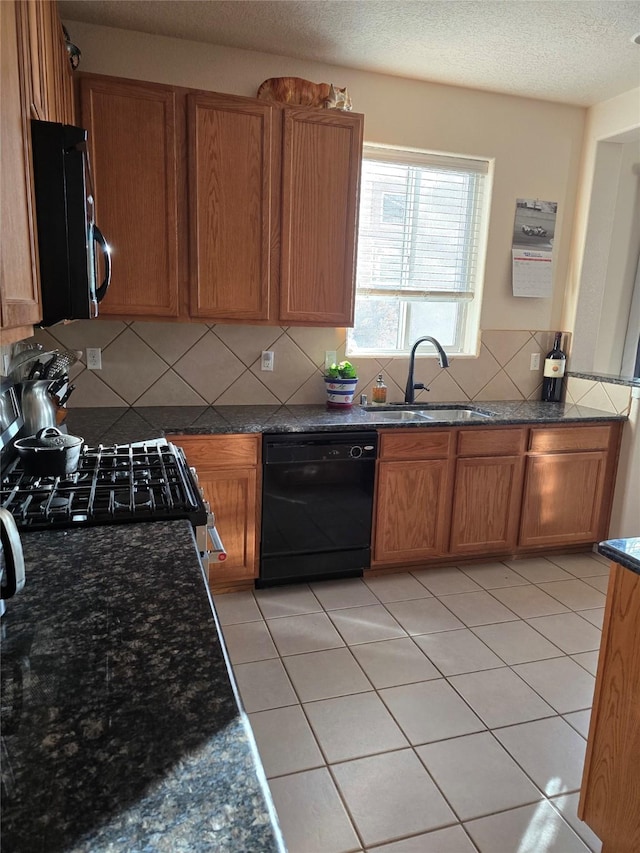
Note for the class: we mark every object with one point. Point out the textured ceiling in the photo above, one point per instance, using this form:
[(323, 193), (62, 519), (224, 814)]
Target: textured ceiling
[(573, 51)]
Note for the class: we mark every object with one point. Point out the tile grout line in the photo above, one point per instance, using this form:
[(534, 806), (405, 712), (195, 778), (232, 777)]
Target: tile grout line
[(326, 765), (518, 618)]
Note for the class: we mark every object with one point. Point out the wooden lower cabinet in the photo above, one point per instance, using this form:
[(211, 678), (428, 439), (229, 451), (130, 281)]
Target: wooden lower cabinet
[(491, 491), (228, 473), (562, 501), (413, 495), (610, 790), (441, 494), (568, 487), (231, 493), (412, 515), (486, 505)]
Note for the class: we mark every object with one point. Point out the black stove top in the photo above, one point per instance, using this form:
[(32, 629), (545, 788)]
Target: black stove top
[(114, 484)]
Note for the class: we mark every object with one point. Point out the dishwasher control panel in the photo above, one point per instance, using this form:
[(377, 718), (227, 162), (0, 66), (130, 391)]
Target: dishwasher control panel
[(319, 447)]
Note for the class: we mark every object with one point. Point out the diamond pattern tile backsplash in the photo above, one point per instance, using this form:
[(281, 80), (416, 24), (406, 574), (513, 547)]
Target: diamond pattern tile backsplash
[(182, 364)]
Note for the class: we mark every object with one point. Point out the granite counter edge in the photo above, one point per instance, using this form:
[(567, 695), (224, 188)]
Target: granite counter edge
[(625, 552)]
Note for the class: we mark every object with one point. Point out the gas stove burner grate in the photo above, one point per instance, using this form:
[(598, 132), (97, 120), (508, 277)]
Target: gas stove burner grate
[(113, 484)]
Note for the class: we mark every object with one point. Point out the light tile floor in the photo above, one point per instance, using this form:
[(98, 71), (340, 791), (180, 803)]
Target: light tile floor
[(438, 711)]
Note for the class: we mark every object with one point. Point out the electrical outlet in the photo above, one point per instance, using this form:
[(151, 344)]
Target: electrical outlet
[(534, 364), (94, 358), (330, 356), (267, 360)]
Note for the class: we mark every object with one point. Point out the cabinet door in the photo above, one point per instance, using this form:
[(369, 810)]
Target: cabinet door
[(563, 499), (50, 84), (62, 73), (34, 17), (227, 467), (232, 493), (610, 786), (231, 175), (19, 290), (412, 510), (486, 504), (322, 155), (134, 154)]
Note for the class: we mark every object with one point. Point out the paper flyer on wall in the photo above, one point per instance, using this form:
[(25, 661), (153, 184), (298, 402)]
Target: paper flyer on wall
[(532, 251)]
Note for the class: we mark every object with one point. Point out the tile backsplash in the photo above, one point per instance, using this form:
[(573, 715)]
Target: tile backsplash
[(186, 364), (606, 396)]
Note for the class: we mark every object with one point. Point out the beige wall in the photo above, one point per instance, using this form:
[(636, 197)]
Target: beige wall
[(625, 516), (605, 236), (536, 145), (604, 240)]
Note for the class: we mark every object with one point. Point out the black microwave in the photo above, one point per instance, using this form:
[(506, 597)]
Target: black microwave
[(67, 232)]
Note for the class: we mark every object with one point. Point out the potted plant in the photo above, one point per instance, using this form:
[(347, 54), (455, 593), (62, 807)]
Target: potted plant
[(340, 382)]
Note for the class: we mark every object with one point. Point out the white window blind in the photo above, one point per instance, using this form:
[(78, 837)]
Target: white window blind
[(421, 240)]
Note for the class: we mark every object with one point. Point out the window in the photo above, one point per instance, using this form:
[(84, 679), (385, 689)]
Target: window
[(394, 208), (421, 245)]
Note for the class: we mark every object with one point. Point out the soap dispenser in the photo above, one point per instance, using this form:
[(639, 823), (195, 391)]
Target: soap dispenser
[(379, 391)]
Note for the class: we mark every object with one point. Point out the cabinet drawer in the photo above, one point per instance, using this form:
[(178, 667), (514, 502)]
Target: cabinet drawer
[(218, 451), (415, 444), (491, 442), (556, 439)]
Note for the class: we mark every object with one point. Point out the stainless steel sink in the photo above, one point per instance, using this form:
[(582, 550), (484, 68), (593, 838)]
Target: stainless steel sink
[(455, 414), (431, 412), (400, 416)]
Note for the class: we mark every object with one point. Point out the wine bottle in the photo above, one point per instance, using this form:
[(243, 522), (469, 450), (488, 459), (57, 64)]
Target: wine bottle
[(554, 367)]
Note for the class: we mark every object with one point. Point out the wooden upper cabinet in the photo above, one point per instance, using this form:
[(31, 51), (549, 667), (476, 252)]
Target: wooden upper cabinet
[(36, 42), (49, 81), (321, 163), (63, 88), (225, 208), (231, 175), (134, 147), (19, 291)]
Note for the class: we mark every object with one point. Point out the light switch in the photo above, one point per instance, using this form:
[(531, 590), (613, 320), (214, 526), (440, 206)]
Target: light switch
[(330, 356), (534, 363)]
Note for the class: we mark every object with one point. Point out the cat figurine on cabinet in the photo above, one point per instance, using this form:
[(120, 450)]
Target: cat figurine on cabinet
[(304, 93)]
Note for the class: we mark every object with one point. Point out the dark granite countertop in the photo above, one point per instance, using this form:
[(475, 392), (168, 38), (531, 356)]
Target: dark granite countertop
[(611, 378), (122, 425), (121, 729), (626, 552)]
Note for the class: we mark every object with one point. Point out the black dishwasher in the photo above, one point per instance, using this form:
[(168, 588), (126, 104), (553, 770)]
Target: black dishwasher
[(317, 501)]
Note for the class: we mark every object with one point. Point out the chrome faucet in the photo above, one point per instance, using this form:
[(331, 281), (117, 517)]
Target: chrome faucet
[(409, 395)]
